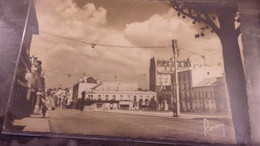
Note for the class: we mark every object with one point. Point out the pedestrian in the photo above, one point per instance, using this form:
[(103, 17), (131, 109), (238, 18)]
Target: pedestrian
[(82, 101), (44, 109), (81, 105)]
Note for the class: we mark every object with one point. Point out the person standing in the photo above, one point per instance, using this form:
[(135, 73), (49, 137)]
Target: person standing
[(82, 101)]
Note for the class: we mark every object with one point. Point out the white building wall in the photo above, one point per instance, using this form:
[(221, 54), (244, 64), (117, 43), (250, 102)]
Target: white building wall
[(127, 96), (200, 73), (85, 87), (70, 95), (117, 86)]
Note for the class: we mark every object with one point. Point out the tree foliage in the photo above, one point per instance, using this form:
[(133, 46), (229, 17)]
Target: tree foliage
[(221, 16), (206, 14), (152, 104)]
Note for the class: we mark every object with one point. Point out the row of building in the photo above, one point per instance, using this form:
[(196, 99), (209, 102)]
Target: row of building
[(112, 95), (201, 89), (29, 82), (29, 88)]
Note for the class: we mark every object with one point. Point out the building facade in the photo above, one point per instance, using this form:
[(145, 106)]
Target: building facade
[(120, 95), (190, 79), (221, 96), (210, 95), (86, 83), (36, 83), (161, 75), (20, 104)]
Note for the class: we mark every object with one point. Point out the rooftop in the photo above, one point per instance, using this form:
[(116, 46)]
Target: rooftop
[(116, 86), (207, 82)]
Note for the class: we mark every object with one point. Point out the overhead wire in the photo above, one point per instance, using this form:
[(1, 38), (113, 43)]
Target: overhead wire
[(119, 46), (103, 45), (57, 72), (190, 52), (114, 18), (127, 9), (84, 42)]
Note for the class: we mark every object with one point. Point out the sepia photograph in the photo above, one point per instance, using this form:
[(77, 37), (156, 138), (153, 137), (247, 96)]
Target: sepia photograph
[(131, 69)]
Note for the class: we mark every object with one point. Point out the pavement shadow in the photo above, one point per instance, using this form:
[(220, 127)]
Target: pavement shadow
[(17, 128)]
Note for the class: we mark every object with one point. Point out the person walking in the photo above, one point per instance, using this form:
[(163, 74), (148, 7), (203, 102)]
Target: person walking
[(44, 109), (44, 106), (81, 104)]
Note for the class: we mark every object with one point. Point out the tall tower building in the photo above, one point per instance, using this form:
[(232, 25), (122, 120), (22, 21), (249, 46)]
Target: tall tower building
[(161, 78)]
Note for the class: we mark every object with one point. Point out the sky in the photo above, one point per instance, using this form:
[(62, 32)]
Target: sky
[(116, 23)]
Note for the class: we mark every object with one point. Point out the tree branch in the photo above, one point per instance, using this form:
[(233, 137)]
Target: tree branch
[(212, 24), (206, 20)]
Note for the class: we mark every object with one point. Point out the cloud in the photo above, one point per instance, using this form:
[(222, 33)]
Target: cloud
[(88, 23), (159, 30), (63, 17)]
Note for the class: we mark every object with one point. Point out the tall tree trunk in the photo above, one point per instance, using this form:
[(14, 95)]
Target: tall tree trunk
[(235, 78)]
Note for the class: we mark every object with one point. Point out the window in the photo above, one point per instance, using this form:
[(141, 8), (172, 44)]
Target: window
[(146, 101), (121, 97), (187, 86), (114, 97), (106, 97), (99, 97), (160, 77), (135, 98)]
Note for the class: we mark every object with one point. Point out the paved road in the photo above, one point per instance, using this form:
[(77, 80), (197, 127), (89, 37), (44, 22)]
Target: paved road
[(135, 126)]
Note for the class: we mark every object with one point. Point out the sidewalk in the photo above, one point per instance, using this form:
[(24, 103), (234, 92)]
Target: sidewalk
[(166, 114), (34, 123)]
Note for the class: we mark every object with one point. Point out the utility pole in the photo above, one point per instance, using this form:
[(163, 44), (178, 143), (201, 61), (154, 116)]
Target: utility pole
[(176, 81), (204, 60)]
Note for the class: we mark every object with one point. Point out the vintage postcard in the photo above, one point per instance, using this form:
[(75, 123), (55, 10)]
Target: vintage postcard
[(133, 69)]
